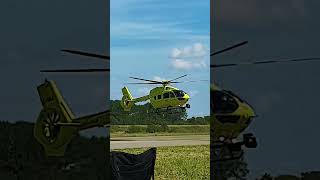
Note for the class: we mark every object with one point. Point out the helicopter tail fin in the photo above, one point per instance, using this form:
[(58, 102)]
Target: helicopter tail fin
[(51, 97), (55, 111), (127, 99)]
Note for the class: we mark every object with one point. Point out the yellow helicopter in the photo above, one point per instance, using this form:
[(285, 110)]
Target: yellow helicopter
[(231, 115), (56, 125), (164, 97)]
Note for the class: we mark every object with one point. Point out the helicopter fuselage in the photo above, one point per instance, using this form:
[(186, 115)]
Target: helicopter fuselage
[(167, 96), (159, 97), (231, 114)]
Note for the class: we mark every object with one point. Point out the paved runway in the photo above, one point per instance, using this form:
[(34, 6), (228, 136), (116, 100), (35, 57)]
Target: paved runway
[(158, 141)]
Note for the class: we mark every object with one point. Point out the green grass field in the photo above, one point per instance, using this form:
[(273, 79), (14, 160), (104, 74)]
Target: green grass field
[(142, 130), (181, 162)]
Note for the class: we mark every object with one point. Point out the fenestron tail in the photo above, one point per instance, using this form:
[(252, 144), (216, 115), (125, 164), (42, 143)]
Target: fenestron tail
[(55, 110), (127, 99)]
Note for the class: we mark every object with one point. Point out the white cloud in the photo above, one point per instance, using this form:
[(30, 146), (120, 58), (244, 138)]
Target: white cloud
[(157, 78), (175, 52), (199, 50), (182, 64), (196, 50), (193, 93), (189, 57)]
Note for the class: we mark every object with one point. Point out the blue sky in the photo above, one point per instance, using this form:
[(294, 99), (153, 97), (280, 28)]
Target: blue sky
[(161, 39)]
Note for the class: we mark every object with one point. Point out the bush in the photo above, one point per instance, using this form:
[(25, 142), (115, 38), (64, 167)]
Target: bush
[(134, 129), (163, 128), (151, 128)]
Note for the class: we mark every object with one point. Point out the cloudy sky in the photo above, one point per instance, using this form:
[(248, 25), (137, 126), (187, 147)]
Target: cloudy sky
[(156, 39), (32, 33), (285, 96)]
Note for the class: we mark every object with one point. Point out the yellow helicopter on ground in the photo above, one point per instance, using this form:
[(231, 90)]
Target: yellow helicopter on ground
[(231, 115), (164, 97)]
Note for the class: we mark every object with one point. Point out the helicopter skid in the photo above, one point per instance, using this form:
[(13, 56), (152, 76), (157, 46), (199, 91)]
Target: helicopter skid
[(170, 110), (222, 151), (228, 149)]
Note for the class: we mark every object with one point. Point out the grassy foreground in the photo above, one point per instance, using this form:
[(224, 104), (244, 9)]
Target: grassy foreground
[(181, 162)]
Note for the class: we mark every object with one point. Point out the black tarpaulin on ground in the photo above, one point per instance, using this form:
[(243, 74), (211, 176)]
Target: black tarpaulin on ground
[(125, 166)]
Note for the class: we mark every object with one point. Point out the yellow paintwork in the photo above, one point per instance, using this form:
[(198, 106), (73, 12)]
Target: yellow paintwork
[(56, 136), (231, 130), (172, 101)]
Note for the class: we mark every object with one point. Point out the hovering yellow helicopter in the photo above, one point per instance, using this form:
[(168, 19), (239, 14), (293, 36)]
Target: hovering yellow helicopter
[(163, 97), (231, 115)]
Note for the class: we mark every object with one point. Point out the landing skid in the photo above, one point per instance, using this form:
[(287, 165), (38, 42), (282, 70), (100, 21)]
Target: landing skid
[(227, 150), (172, 110), (164, 112), (167, 112)]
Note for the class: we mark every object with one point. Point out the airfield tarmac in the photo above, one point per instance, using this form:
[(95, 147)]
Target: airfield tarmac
[(158, 141)]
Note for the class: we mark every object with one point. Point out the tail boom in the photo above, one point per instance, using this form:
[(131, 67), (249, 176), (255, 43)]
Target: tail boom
[(128, 101)]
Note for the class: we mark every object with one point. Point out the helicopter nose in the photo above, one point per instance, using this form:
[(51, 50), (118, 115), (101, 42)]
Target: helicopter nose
[(250, 112), (250, 116), (185, 98)]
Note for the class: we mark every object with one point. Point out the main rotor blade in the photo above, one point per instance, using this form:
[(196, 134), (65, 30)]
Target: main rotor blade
[(266, 62), (188, 81), (77, 70), (146, 80), (229, 48), (146, 83), (87, 54), (178, 78)]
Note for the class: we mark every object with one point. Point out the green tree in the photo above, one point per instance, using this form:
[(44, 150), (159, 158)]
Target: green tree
[(266, 176), (230, 169), (145, 114), (286, 177), (312, 175)]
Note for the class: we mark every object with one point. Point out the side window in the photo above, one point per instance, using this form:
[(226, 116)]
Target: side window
[(159, 96), (172, 95), (155, 98), (166, 95)]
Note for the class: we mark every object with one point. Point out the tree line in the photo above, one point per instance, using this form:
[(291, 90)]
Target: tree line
[(145, 114), (23, 158)]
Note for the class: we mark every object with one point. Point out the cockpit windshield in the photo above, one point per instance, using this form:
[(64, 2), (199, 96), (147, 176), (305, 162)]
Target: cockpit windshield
[(231, 93), (223, 102), (178, 93)]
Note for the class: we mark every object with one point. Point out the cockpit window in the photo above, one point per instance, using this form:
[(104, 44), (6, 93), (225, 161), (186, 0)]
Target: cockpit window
[(230, 92), (223, 102), (172, 95), (178, 93)]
